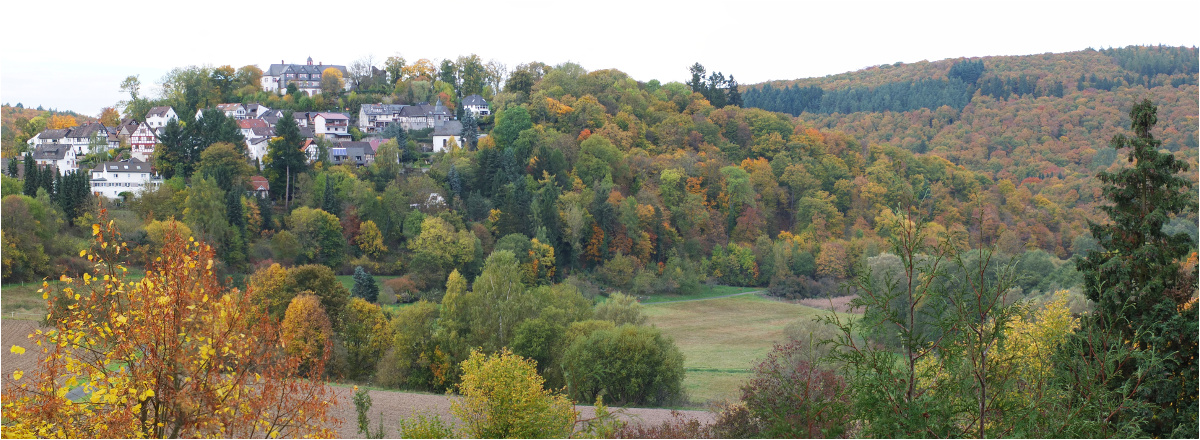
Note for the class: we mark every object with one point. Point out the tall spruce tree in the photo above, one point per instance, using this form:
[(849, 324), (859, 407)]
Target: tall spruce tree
[(31, 177), (364, 285), (1140, 282), (285, 157)]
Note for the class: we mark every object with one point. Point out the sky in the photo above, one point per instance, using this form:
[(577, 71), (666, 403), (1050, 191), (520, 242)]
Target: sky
[(73, 55)]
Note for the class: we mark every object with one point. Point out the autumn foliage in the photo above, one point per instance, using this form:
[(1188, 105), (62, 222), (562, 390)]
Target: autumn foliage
[(174, 354)]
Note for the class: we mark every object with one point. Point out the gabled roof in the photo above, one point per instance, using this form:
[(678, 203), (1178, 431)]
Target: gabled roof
[(450, 128), (229, 107), (160, 111), (252, 123), (259, 183), (263, 132), (87, 130), (52, 152), (54, 134), (132, 166), (475, 100), (382, 109), (328, 115)]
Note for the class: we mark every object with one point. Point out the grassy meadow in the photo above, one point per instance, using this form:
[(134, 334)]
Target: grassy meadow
[(722, 339)]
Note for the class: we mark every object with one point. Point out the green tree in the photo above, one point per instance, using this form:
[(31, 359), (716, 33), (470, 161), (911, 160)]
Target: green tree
[(285, 157), (627, 364), (322, 234), (503, 397), (364, 285), (440, 242), (226, 163), (204, 211), (366, 335), (1141, 286)]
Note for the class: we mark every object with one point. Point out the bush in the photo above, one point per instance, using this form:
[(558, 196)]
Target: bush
[(503, 397), (620, 309), (421, 425), (677, 427), (790, 397), (629, 364), (404, 289)]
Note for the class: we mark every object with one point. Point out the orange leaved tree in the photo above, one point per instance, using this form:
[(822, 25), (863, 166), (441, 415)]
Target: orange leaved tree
[(174, 354)]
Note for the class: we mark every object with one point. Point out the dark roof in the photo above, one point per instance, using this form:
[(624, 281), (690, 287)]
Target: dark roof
[(382, 109), (158, 111), (450, 128), (131, 166), (54, 134), (263, 131), (51, 152), (87, 130), (307, 132), (474, 100), (280, 69)]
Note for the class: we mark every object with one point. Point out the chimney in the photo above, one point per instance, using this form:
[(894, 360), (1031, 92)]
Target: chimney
[(281, 62)]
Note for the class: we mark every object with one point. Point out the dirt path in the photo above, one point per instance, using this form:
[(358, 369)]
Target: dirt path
[(394, 405), (390, 405), (704, 299)]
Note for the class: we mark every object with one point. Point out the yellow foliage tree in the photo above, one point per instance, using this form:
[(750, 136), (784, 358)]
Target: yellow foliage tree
[(503, 397), (331, 81), (174, 354), (370, 240), (61, 121), (305, 331)]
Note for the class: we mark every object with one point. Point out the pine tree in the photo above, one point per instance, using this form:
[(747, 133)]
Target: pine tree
[(13, 171), (31, 177), (1138, 281), (364, 285), (470, 131), (285, 157), (734, 97)]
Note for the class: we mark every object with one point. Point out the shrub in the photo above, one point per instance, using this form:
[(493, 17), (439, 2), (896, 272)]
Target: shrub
[(503, 397), (620, 309), (628, 364), (421, 425), (677, 427), (404, 289), (794, 398)]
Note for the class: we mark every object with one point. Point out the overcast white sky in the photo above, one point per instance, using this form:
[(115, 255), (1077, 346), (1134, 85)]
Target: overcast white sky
[(72, 55)]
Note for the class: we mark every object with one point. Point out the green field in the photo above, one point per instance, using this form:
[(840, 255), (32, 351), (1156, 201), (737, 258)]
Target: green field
[(348, 280), (721, 339), (706, 291)]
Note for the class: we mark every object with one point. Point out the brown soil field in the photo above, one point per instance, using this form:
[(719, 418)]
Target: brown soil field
[(391, 406), (841, 304)]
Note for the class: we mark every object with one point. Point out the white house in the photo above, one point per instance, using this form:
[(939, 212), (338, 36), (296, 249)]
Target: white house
[(256, 110), (235, 111), (306, 77), (476, 105), (142, 141), (62, 157), (157, 117), (373, 118), (331, 125), (110, 179), (256, 148), (247, 126), (442, 135)]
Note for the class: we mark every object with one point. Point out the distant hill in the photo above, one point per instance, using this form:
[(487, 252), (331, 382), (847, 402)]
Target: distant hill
[(1040, 122)]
